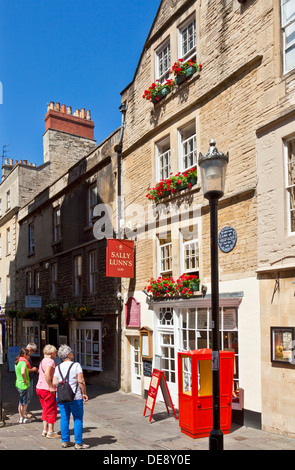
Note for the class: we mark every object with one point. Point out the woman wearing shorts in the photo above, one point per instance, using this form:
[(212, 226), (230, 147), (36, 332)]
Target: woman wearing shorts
[(22, 383)]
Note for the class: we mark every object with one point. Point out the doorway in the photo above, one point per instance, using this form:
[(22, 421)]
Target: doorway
[(135, 366)]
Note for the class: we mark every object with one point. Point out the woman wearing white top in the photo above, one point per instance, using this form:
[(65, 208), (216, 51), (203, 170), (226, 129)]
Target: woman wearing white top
[(76, 406)]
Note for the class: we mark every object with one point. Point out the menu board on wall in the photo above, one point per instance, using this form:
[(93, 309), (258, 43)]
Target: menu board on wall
[(132, 313)]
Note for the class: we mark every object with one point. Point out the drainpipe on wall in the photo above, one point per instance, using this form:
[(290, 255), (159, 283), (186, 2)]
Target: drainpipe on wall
[(118, 149)]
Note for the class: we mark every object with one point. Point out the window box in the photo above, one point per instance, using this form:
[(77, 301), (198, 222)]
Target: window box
[(178, 182)]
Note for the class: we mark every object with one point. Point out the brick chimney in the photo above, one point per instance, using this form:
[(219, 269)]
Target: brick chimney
[(68, 137), (60, 118)]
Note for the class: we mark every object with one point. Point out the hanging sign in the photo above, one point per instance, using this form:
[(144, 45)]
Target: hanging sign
[(132, 313), (158, 379), (227, 239), (120, 258)]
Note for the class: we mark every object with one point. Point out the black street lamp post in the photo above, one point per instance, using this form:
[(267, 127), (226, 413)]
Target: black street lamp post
[(213, 170)]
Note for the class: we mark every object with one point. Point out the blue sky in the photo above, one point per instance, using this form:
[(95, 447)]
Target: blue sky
[(81, 53)]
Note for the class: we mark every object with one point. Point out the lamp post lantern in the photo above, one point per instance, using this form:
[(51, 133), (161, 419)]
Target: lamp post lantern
[(213, 170)]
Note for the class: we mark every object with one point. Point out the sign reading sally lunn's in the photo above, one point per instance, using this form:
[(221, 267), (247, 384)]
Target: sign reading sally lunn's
[(120, 258)]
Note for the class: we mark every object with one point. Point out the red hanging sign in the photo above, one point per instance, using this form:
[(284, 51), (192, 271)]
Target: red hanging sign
[(158, 379), (120, 258)]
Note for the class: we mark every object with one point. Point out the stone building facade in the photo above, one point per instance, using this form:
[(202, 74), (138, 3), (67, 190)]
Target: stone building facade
[(241, 94), (63, 292)]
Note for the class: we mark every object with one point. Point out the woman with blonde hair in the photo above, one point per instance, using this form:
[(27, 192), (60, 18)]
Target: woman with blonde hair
[(47, 392)]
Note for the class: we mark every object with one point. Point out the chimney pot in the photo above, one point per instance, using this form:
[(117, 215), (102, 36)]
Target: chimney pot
[(15, 162), (51, 106), (69, 110), (82, 113), (25, 162), (63, 108), (57, 106), (6, 161), (88, 116)]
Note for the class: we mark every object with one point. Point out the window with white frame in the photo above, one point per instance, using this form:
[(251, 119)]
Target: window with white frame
[(8, 244), (290, 183), (54, 280), (163, 159), (165, 252), (8, 204), (92, 271), (187, 147), (78, 275), (31, 238), (187, 40), (196, 331), (31, 334), (288, 28), (86, 343), (163, 62), (92, 200), (56, 224)]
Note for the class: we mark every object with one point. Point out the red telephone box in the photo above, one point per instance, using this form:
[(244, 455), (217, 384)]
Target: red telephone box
[(195, 391)]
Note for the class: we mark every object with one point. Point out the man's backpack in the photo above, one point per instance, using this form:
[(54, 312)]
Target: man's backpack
[(64, 390)]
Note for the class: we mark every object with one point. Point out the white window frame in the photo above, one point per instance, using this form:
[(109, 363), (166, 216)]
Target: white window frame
[(31, 334), (163, 168), (8, 202), (165, 261), (8, 241), (289, 187), (183, 29), (83, 346), (78, 275), (288, 24), (185, 135), (190, 245), (162, 55)]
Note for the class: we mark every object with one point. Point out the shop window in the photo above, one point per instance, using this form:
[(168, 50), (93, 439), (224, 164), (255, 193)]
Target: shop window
[(196, 332), (31, 334), (86, 342)]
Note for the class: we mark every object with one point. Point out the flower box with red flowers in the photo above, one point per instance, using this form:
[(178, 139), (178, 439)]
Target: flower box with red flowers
[(174, 183), (165, 286), (158, 90), (183, 70)]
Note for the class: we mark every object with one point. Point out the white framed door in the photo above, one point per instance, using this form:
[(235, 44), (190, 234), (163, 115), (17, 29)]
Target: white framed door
[(135, 366)]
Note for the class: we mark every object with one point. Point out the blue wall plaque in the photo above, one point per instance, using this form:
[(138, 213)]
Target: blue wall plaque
[(227, 239)]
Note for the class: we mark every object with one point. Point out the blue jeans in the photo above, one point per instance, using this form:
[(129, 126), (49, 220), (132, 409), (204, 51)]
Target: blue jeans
[(77, 409)]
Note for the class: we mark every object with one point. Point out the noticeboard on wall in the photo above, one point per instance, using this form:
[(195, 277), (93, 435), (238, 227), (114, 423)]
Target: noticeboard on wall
[(282, 344)]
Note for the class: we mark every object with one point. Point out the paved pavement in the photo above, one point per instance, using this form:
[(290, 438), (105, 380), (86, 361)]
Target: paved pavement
[(114, 424)]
